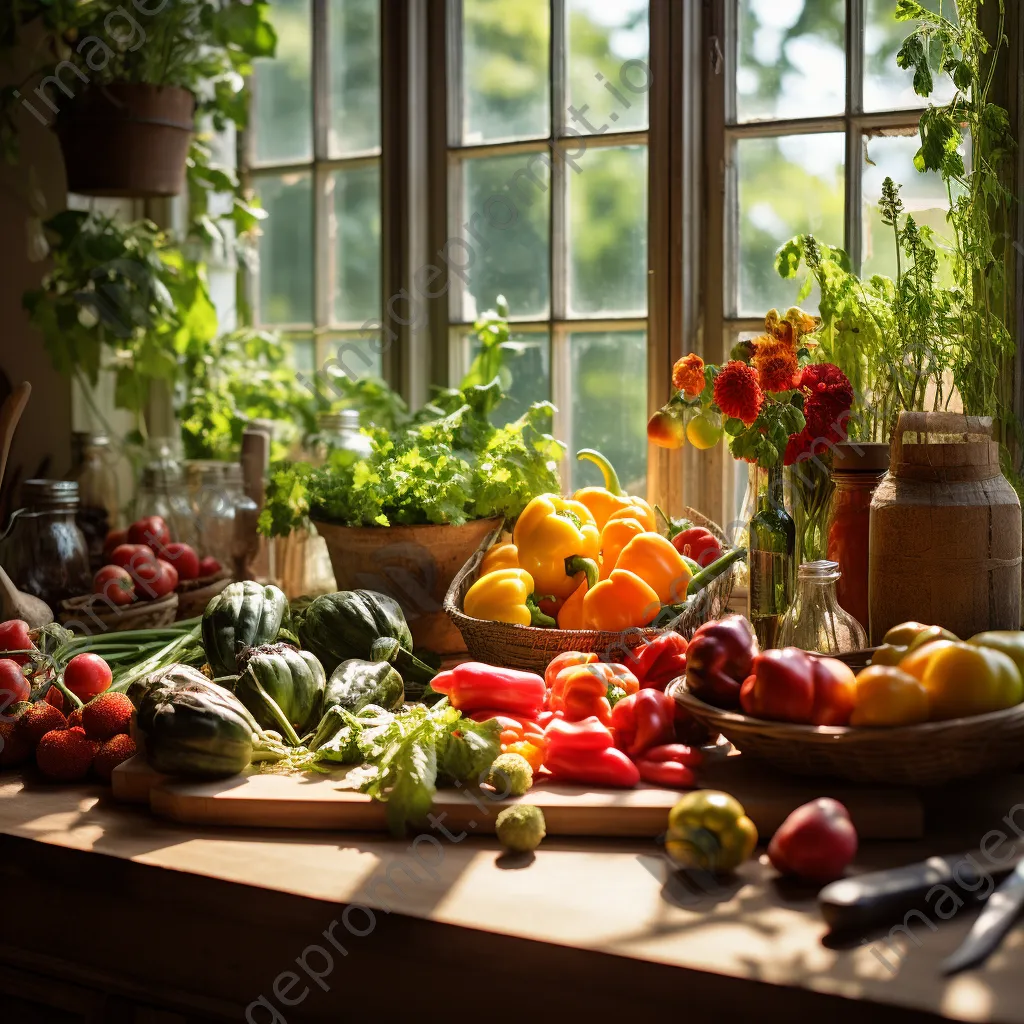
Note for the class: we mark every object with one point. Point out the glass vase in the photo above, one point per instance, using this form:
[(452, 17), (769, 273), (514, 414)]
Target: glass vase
[(816, 622), (809, 488), (771, 556)]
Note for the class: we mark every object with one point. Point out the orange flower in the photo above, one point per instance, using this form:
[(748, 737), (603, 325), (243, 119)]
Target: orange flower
[(777, 372), (688, 375), (737, 392)]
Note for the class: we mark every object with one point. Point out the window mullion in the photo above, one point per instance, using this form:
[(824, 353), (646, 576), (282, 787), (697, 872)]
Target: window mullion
[(853, 226), (321, 80)]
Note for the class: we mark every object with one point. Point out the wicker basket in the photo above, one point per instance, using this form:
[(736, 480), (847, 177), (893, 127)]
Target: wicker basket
[(907, 755), (91, 613), (532, 647), (195, 595)]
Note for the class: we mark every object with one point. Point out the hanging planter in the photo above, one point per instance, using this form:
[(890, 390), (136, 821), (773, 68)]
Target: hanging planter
[(127, 139)]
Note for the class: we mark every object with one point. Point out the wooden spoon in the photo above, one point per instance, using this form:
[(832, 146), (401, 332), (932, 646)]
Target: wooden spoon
[(17, 604)]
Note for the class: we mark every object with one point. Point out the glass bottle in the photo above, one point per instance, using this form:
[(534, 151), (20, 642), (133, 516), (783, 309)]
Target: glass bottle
[(857, 468), (340, 433), (98, 494), (212, 508), (43, 550), (246, 546), (162, 493), (816, 622), (771, 555)]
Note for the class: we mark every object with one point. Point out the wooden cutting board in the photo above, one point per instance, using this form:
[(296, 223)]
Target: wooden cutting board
[(257, 799)]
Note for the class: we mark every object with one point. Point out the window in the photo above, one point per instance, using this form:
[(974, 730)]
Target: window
[(546, 154), (313, 155), (814, 115)]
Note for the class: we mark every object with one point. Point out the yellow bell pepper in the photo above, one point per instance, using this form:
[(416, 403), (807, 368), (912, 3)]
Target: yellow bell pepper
[(1009, 641), (916, 662), (655, 560), (603, 502), (885, 695), (500, 556), (620, 602), (554, 537), (504, 596), (964, 680), (618, 532), (709, 831)]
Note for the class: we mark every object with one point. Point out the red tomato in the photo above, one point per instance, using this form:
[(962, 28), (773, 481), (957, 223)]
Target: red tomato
[(131, 556), (162, 584), (834, 689), (114, 539), (14, 637), (209, 566), (817, 841), (115, 584), (13, 685), (87, 675), (183, 558), (699, 544), (151, 530)]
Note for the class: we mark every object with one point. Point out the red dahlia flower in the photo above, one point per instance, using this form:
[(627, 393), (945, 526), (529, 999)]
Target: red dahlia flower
[(737, 392)]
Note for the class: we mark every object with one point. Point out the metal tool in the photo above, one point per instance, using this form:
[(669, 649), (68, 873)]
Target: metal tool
[(1000, 914)]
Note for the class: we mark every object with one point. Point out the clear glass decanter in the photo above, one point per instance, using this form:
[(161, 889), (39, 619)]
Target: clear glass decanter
[(815, 621)]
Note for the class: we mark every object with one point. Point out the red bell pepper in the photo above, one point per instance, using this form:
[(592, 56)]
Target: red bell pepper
[(699, 544), (661, 661), (679, 752), (608, 767), (474, 686), (565, 660), (780, 686), (573, 737), (643, 720), (719, 658), (669, 774)]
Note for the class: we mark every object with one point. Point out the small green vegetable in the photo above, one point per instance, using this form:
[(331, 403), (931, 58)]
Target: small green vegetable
[(511, 774), (520, 827)]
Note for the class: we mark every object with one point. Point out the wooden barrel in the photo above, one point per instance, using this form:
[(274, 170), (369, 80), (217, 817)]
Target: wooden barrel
[(945, 530)]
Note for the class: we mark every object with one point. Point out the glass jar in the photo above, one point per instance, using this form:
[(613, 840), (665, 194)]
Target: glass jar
[(340, 438), (212, 508), (162, 493), (771, 556), (245, 546), (857, 469), (43, 550), (98, 494), (815, 622)]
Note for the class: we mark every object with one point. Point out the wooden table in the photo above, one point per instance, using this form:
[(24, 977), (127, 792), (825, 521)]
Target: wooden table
[(107, 911)]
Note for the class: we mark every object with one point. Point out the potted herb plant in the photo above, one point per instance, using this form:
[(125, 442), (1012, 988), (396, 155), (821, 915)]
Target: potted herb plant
[(123, 84)]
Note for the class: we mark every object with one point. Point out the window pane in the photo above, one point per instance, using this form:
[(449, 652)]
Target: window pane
[(886, 86), (353, 354), (282, 87), (791, 60), (505, 245), (505, 89), (355, 249), (786, 186), (609, 408), (286, 249), (924, 198), (609, 49), (608, 232), (354, 30), (303, 354), (528, 366)]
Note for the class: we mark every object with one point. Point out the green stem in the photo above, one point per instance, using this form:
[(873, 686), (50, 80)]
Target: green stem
[(577, 563), (611, 478), (539, 618)]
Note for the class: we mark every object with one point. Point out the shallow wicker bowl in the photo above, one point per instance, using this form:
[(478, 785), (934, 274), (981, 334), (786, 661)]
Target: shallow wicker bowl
[(532, 648), (907, 755), (90, 613), (195, 595)]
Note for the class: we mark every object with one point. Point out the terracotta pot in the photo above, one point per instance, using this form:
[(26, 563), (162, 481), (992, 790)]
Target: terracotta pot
[(413, 564), (127, 139)]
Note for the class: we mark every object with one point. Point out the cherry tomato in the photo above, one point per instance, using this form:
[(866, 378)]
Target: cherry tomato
[(87, 675), (151, 530), (209, 566), (183, 558), (114, 539), (115, 584), (14, 637), (132, 556), (13, 685)]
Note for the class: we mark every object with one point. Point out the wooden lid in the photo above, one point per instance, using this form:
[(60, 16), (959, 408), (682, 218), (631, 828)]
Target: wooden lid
[(860, 457)]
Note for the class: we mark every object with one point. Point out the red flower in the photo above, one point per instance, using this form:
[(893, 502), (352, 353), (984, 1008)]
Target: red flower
[(828, 394), (778, 372), (799, 444), (737, 392)]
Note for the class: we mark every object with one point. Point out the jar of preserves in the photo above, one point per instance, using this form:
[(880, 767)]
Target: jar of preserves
[(857, 469)]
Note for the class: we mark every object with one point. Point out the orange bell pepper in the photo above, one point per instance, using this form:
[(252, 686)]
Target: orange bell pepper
[(582, 690), (565, 660), (570, 615), (620, 602), (500, 556), (655, 560), (603, 502), (618, 532)]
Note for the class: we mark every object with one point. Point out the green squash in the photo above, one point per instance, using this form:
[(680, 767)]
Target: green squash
[(243, 614), (365, 625), (356, 683), (282, 687), (190, 726)]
